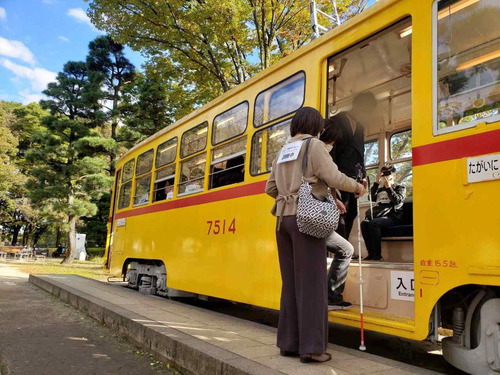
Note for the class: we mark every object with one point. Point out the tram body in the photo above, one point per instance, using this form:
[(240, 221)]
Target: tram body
[(204, 238)]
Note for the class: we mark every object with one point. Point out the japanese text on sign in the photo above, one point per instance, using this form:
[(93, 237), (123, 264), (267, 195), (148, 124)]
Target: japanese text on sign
[(403, 285), (289, 152)]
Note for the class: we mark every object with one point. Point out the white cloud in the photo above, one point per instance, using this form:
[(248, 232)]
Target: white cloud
[(16, 50), (63, 38), (79, 15), (3, 14), (30, 97), (37, 77)]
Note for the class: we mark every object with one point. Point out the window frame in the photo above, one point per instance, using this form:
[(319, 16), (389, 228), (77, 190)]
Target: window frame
[(179, 183), (234, 136), (151, 165), (373, 140), (251, 148), (120, 194), (155, 181), (435, 120), (278, 119), (158, 148), (133, 171), (144, 175), (182, 156), (390, 159)]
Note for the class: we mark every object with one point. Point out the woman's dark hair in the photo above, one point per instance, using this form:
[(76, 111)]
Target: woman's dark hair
[(307, 120), (333, 130)]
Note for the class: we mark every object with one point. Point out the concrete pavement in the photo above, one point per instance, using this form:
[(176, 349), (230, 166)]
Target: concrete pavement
[(39, 334), (201, 341)]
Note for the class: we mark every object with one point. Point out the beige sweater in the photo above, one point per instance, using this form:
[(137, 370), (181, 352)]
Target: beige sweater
[(285, 178)]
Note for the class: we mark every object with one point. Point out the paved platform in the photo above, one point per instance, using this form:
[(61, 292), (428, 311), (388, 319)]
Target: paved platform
[(201, 341)]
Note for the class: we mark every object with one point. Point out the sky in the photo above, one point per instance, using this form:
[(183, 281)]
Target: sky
[(37, 37)]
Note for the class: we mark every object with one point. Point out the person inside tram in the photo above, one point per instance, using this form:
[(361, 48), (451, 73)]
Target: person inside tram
[(335, 243), (234, 172), (303, 318), (387, 212), (349, 152)]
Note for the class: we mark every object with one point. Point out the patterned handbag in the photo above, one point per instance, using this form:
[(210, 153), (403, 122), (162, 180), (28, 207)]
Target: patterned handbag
[(314, 217)]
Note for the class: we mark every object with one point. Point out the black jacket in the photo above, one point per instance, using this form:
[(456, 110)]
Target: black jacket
[(389, 201), (350, 151)]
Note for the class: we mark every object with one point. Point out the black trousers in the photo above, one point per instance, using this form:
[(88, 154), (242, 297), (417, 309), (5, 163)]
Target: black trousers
[(373, 230), (303, 317), (346, 220)]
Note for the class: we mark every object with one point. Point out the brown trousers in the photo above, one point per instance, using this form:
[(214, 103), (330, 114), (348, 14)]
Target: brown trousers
[(303, 318)]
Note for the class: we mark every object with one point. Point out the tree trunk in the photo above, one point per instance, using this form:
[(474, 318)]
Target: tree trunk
[(15, 234), (71, 247), (58, 236)]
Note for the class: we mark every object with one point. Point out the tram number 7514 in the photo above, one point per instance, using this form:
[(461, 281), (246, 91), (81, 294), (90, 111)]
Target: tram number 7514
[(221, 226)]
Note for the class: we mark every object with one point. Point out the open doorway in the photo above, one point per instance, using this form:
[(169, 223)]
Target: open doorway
[(381, 66)]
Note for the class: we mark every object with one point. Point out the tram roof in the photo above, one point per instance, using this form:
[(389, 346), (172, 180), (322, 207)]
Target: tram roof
[(364, 15)]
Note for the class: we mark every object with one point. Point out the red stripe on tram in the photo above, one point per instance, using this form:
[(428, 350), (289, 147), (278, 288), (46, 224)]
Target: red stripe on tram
[(216, 196), (474, 145)]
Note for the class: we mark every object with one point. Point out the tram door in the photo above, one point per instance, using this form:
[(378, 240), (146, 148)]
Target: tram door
[(380, 66), (112, 223)]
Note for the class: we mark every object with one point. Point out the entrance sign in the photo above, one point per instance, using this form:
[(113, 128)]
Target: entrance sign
[(483, 168), (403, 285), (289, 152)]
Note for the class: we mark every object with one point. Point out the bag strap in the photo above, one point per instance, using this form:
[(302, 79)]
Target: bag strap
[(304, 160)]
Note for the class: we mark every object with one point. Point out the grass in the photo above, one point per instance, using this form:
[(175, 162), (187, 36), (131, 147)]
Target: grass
[(92, 269)]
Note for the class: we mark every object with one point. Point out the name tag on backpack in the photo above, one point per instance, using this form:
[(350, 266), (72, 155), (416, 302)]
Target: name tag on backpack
[(290, 152)]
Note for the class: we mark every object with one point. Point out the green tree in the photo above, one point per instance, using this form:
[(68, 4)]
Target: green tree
[(108, 58), (211, 44), (69, 168)]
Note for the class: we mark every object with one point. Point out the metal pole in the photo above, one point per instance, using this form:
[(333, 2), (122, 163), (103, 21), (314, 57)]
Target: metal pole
[(314, 20), (362, 346), (335, 12)]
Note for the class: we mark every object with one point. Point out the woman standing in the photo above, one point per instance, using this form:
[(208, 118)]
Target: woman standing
[(303, 319)]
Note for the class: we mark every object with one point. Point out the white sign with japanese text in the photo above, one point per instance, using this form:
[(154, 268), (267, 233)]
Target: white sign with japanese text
[(483, 168), (403, 285), (289, 152), (121, 222)]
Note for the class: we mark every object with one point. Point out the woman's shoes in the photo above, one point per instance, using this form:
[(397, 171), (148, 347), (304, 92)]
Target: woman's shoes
[(286, 353), (310, 358)]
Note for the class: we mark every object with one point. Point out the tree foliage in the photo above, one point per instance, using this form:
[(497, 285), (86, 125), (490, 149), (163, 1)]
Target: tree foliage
[(107, 58), (68, 167), (214, 45)]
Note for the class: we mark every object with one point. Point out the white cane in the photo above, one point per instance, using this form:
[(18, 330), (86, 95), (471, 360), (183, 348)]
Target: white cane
[(362, 345)]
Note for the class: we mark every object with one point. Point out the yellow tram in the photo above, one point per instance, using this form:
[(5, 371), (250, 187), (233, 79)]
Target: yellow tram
[(189, 215)]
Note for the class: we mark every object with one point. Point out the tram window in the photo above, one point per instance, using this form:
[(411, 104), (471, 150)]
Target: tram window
[(400, 145), (166, 153), (142, 187), (125, 193), (268, 141), (230, 124), (194, 140), (380, 65), (371, 153), (144, 162), (228, 164), (192, 174), (400, 152), (279, 100), (467, 63), (164, 183), (128, 170)]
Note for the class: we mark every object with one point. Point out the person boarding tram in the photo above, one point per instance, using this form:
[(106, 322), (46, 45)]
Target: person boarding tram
[(349, 152), (341, 248), (303, 317), (388, 211)]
